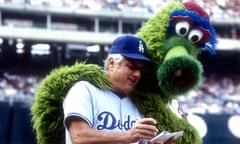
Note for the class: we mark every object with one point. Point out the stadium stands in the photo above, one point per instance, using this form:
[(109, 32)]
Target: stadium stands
[(63, 29), (33, 17)]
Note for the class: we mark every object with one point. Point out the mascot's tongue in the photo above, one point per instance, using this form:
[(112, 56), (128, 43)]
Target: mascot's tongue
[(179, 72)]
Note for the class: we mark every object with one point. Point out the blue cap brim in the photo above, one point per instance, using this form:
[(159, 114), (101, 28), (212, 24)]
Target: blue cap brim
[(136, 57)]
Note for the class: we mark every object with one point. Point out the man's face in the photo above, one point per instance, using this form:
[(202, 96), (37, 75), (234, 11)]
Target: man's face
[(125, 76)]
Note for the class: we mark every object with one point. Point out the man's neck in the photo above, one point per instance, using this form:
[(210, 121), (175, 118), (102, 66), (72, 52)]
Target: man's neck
[(120, 95)]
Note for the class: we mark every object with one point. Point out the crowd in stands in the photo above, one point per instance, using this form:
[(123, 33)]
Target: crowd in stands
[(216, 95), (216, 8), (19, 87)]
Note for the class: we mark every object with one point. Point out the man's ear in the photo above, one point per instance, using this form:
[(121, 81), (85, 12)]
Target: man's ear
[(111, 64)]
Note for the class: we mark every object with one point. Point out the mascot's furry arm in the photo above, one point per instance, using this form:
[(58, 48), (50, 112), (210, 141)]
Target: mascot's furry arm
[(174, 37), (47, 112)]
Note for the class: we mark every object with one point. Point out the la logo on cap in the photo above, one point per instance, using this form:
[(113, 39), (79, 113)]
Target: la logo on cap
[(140, 47)]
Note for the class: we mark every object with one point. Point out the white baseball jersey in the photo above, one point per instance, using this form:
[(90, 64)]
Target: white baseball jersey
[(101, 109)]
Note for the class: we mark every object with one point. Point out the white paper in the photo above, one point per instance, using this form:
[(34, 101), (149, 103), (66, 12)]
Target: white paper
[(165, 136)]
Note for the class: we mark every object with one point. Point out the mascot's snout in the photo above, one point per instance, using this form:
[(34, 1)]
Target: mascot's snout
[(179, 71)]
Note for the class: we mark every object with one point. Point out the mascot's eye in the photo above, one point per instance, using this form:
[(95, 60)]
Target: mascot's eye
[(182, 28), (195, 35)]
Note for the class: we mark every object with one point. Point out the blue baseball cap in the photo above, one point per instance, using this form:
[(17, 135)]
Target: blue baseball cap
[(130, 47)]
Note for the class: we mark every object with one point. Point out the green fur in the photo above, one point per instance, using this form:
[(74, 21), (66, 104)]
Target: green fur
[(175, 70), (174, 41), (152, 105), (47, 113), (176, 85), (154, 32), (158, 86)]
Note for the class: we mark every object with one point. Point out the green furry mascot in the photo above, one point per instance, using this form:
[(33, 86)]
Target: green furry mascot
[(174, 37)]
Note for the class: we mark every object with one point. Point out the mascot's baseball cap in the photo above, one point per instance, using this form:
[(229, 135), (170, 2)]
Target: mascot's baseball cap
[(130, 47)]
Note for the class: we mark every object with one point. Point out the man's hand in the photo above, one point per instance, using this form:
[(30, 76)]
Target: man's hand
[(143, 129)]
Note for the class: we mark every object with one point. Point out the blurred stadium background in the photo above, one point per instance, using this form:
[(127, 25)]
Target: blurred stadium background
[(39, 35)]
